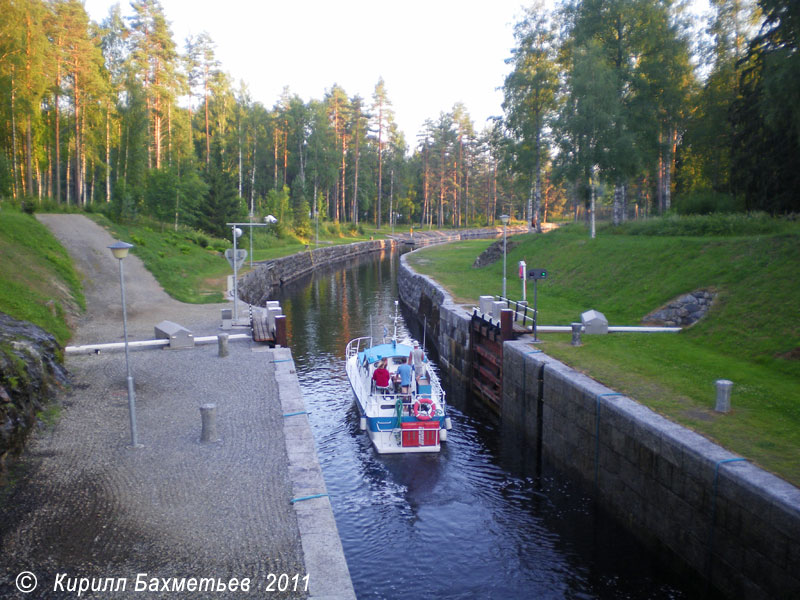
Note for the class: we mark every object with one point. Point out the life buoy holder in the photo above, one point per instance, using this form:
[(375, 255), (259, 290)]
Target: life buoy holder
[(424, 409)]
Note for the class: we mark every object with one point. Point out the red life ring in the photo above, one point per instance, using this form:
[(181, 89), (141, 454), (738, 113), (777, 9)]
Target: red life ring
[(427, 412)]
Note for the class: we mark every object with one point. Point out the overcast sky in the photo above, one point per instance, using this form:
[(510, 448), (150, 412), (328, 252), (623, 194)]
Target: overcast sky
[(430, 53)]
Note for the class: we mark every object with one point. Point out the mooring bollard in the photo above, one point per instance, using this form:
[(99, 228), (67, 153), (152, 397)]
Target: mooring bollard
[(208, 415), (222, 341), (576, 334), (724, 388)]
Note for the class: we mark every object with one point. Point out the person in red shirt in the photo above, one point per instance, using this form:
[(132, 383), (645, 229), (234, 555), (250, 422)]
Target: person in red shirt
[(381, 376)]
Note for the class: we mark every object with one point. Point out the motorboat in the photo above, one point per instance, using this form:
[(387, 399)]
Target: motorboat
[(397, 418)]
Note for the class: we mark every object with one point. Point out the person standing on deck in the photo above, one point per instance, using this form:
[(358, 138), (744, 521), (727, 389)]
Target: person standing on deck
[(405, 373), (417, 358)]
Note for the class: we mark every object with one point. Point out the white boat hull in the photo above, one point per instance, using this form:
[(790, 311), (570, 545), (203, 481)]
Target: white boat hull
[(410, 422)]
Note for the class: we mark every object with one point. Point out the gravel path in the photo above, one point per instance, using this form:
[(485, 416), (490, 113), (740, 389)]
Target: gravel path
[(87, 505)]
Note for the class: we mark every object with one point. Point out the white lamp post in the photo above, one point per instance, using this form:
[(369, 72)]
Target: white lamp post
[(504, 219), (120, 251)]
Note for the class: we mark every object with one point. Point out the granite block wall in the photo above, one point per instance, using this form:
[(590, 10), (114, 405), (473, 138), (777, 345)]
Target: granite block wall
[(447, 323), (256, 286), (729, 520), (684, 496)]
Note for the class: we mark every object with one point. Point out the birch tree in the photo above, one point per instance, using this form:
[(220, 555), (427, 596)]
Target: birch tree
[(530, 98)]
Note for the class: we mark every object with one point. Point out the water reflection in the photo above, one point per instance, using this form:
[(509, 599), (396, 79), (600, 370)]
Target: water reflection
[(475, 521)]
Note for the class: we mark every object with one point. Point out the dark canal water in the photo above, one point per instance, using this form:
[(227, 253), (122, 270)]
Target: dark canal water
[(478, 520)]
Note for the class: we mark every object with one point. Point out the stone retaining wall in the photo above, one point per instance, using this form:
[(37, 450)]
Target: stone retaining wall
[(730, 521), (256, 286), (422, 237), (683, 311), (447, 323)]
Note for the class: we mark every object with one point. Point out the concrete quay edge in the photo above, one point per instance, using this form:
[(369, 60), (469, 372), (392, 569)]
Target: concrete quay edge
[(329, 577)]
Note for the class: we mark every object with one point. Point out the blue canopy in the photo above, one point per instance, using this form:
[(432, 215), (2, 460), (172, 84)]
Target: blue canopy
[(380, 351)]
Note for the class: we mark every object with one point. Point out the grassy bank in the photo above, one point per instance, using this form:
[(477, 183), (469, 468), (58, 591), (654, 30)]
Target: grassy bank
[(751, 335), (191, 266), (37, 280)]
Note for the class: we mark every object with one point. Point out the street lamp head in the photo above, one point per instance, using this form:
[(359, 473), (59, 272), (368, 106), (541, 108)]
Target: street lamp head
[(504, 219), (120, 249)]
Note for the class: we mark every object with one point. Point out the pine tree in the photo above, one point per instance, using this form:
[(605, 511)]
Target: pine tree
[(221, 204), (383, 116)]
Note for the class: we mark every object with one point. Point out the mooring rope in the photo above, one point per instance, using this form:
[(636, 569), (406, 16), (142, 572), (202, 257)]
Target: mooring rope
[(302, 498)]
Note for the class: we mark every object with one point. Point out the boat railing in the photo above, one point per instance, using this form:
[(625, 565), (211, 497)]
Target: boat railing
[(376, 401), (436, 386), (355, 346)]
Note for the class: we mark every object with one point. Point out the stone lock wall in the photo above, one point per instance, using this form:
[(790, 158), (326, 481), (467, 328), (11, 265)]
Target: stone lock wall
[(447, 324), (422, 237), (685, 497), (732, 522), (256, 286)]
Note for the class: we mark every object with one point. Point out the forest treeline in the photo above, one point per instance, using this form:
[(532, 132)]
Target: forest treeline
[(616, 100)]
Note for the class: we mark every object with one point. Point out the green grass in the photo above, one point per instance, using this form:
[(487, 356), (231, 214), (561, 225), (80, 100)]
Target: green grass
[(751, 336), (185, 262), (191, 266), (37, 280)]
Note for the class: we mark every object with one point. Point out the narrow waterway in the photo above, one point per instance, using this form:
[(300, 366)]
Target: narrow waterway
[(476, 520)]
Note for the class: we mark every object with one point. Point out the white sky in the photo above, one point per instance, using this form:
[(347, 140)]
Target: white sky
[(430, 53)]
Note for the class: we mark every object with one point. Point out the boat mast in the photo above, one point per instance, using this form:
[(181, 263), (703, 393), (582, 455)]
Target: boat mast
[(396, 316)]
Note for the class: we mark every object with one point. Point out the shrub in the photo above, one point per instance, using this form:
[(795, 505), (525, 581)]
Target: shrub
[(707, 202), (28, 205)]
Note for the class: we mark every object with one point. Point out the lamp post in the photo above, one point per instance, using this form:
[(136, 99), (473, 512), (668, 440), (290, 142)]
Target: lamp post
[(504, 219), (234, 260), (120, 251)]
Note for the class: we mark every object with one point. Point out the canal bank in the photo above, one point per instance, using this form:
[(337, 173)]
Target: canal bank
[(86, 508), (539, 535), (260, 284), (726, 519)]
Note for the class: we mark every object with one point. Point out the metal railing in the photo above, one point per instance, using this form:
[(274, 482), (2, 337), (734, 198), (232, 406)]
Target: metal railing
[(523, 313), (355, 346)]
